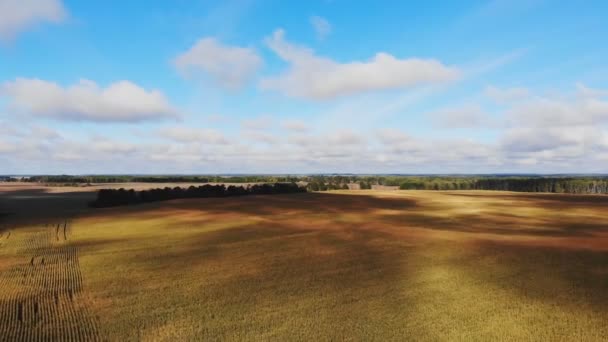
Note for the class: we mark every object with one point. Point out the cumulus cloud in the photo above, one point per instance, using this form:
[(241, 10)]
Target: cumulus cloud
[(559, 111), (566, 130), (526, 143), (185, 150), (121, 101), (530, 139), (230, 66), (194, 135), (18, 15), (399, 148), (321, 26), (319, 78), (398, 142)]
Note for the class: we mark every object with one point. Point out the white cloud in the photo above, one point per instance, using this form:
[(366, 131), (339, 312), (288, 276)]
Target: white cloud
[(466, 116), (6, 147), (295, 125), (345, 137), (559, 111), (261, 137), (110, 146), (335, 148), (45, 133), (389, 136), (396, 142), (319, 78), (531, 139), (121, 101), (339, 138), (8, 129), (585, 91), (321, 26), (560, 129), (18, 15), (257, 124), (194, 135), (230, 66), (583, 149), (400, 148)]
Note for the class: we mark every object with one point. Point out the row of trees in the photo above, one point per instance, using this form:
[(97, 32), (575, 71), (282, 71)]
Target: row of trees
[(117, 197), (528, 183), (67, 179), (320, 186), (572, 185), (555, 184)]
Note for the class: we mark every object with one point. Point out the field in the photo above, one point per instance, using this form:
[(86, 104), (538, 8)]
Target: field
[(341, 265)]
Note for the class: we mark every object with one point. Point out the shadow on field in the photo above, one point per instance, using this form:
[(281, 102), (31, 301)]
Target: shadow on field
[(351, 265), (283, 266), (304, 203), (278, 260), (499, 224), (496, 218), (568, 277), (32, 206)]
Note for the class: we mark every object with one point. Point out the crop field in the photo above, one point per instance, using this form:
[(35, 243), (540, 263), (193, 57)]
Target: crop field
[(43, 299), (340, 265)]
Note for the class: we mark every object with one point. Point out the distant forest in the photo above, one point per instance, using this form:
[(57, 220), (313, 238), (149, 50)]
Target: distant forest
[(532, 183), (117, 197), (66, 179)]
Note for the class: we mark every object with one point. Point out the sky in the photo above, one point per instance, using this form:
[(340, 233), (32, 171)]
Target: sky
[(327, 86)]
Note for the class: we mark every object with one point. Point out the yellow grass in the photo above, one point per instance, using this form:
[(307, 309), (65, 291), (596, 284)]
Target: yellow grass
[(351, 265)]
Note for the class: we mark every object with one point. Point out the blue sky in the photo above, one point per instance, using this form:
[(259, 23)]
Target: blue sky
[(265, 86)]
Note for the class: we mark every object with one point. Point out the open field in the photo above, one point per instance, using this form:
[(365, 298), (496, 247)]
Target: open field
[(343, 265), (30, 203)]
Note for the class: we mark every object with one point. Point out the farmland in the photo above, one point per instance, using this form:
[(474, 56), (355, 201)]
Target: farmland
[(338, 265)]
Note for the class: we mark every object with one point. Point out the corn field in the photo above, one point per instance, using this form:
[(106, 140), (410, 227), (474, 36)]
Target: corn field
[(41, 290)]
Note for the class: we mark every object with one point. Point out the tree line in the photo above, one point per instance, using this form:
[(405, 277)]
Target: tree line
[(531, 183), (69, 179), (579, 184), (118, 197)]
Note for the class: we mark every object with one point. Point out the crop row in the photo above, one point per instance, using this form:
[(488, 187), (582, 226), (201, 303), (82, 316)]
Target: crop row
[(41, 292)]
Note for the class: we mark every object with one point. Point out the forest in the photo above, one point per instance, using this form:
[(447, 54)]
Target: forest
[(553, 184), (117, 197)]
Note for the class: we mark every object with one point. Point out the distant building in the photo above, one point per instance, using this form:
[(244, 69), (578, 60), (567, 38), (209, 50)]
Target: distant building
[(354, 186)]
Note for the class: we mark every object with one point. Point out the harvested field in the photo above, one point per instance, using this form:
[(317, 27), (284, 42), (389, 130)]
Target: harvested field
[(343, 265), (41, 284)]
